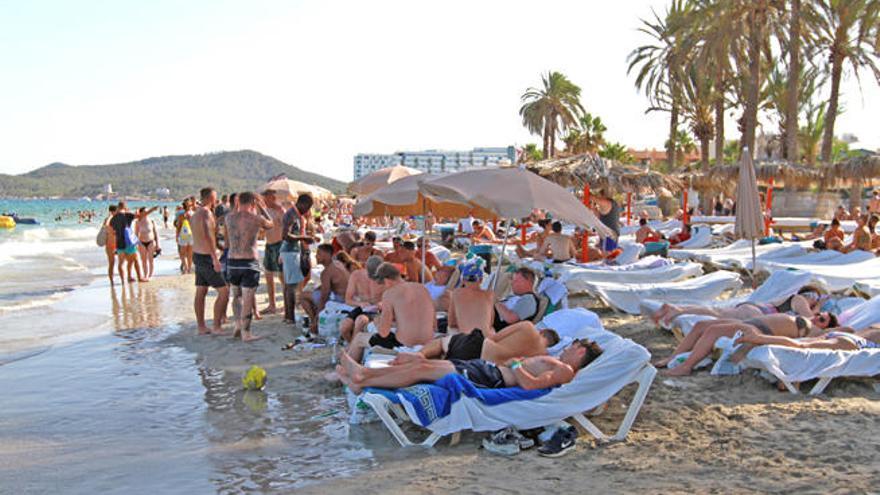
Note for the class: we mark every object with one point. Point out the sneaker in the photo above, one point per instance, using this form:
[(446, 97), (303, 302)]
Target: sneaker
[(504, 442), (561, 442)]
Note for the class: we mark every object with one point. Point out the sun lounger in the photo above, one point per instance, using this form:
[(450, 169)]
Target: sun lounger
[(863, 315), (777, 288), (631, 252), (628, 297), (623, 362), (808, 262), (739, 253), (792, 366), (581, 280), (842, 276), (665, 227), (701, 236)]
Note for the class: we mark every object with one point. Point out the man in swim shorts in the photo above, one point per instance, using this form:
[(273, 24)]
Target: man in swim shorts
[(334, 282), (126, 240), (206, 261), (530, 373), (242, 228), (274, 239)]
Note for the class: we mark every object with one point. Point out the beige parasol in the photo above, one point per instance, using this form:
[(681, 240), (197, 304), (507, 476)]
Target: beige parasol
[(403, 198), (749, 217), (512, 193), (290, 189), (380, 178)]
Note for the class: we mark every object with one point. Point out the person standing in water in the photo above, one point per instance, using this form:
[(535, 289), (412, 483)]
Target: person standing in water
[(209, 272), (148, 239), (110, 245), (242, 228), (126, 240)]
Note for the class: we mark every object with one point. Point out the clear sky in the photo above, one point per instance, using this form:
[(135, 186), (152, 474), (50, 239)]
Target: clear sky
[(313, 83)]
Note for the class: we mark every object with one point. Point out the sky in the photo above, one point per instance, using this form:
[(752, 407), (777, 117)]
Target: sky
[(314, 83)]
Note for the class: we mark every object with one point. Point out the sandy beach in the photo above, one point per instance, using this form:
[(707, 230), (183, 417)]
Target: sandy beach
[(700, 434)]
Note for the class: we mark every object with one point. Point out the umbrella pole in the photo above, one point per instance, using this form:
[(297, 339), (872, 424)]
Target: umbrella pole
[(754, 265), (424, 237), (628, 208), (501, 258), (768, 208), (585, 239)]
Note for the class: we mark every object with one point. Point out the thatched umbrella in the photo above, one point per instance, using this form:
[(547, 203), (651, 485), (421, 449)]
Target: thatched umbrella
[(861, 168), (788, 173), (596, 172)]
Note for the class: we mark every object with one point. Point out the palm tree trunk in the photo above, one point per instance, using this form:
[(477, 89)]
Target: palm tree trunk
[(831, 115), (704, 153), (553, 138), (673, 136), (794, 72), (756, 32), (719, 131), (546, 140)]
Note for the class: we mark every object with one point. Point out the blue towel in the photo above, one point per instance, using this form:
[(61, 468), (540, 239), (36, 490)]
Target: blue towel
[(435, 400)]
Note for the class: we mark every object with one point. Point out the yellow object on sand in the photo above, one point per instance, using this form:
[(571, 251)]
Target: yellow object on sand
[(6, 222), (254, 379)]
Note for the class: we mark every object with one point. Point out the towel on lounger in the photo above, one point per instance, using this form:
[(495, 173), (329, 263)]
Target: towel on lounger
[(434, 400)]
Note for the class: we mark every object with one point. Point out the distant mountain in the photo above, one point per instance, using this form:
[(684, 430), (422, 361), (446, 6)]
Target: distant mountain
[(184, 175)]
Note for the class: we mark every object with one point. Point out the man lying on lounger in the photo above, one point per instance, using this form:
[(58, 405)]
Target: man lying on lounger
[(805, 303), (701, 340), (530, 373)]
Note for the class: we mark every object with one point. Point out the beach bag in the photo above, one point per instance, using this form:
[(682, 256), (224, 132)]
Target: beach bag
[(130, 237), (101, 239), (291, 267)]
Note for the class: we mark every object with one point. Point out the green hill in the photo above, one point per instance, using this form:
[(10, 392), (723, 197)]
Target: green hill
[(183, 175)]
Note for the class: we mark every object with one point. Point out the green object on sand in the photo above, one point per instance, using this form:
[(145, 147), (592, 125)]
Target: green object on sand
[(255, 378)]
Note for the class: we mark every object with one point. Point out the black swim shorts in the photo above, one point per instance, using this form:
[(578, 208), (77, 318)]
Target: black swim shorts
[(479, 372), (206, 276), (244, 273), (389, 342), (464, 346)]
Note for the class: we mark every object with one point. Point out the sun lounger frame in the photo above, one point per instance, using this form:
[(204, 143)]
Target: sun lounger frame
[(390, 413)]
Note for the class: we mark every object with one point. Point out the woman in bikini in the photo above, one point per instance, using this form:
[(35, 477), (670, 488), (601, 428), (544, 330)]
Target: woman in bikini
[(148, 237), (841, 339), (806, 303), (701, 340)]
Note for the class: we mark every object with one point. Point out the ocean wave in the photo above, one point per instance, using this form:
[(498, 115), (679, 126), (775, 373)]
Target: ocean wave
[(45, 241)]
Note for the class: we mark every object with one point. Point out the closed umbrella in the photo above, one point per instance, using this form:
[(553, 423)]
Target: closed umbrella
[(749, 218), (513, 193), (380, 178)]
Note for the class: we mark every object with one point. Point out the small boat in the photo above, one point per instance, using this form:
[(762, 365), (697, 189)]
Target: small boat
[(25, 220), (6, 222)]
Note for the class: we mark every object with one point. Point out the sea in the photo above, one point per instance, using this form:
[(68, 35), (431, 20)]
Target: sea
[(97, 397)]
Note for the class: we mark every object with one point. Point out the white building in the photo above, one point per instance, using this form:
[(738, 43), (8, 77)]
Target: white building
[(434, 161)]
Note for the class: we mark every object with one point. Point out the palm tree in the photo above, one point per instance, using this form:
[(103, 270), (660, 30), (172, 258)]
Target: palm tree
[(587, 137), (848, 32), (697, 103), (659, 64), (551, 109), (617, 152), (530, 153), (778, 86), (790, 112), (683, 145), (810, 134)]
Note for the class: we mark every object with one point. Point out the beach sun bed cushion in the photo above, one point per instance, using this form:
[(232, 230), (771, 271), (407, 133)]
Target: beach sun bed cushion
[(792, 365)]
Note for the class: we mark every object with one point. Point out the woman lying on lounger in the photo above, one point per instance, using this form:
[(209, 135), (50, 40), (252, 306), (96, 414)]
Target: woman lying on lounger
[(701, 340), (805, 303), (842, 339)]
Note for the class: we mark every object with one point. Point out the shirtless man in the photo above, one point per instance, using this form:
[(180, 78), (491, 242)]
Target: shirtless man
[(701, 340), (126, 251), (334, 282), (560, 245), (874, 203), (482, 233), (412, 265), (521, 339), (470, 307), (531, 373), (834, 236), (347, 239), (431, 260), (362, 253), (363, 293), (274, 239), (406, 306), (396, 254), (242, 228), (646, 234), (537, 238), (862, 239), (206, 262)]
